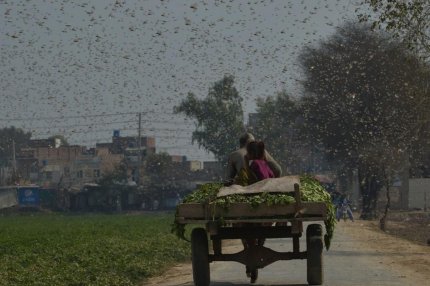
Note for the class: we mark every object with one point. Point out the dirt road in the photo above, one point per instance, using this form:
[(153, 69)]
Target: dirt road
[(360, 255)]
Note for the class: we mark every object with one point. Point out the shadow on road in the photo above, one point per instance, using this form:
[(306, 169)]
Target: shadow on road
[(213, 283), (244, 284), (364, 253)]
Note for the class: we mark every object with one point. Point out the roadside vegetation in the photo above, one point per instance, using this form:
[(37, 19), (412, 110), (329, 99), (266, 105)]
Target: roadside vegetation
[(55, 249)]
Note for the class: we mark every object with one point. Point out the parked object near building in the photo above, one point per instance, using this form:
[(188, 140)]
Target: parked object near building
[(155, 204), (28, 196), (193, 165), (171, 200), (22, 196), (93, 197)]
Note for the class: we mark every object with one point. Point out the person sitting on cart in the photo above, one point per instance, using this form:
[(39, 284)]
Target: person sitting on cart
[(257, 160), (256, 168), (237, 168)]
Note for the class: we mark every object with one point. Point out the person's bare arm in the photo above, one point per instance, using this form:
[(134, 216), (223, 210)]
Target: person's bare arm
[(231, 170), (274, 166)]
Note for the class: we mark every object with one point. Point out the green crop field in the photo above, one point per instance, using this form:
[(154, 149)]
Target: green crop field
[(56, 249)]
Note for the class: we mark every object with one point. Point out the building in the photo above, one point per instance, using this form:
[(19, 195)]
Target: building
[(65, 166), (193, 165), (214, 167), (52, 142), (45, 164), (131, 151), (69, 176), (178, 158), (51, 165), (120, 144)]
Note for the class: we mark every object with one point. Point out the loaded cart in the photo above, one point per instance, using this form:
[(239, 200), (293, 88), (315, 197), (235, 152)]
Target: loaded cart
[(250, 222)]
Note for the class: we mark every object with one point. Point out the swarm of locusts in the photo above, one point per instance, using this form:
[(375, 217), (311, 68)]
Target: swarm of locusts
[(311, 191)]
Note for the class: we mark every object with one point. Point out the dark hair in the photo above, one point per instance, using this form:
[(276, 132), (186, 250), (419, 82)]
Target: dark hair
[(255, 150)]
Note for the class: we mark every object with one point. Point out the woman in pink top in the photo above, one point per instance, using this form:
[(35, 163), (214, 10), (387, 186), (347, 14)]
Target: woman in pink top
[(259, 166), (261, 170)]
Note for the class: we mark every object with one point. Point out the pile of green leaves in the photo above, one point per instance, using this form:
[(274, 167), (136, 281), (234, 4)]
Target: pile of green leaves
[(55, 249), (311, 191)]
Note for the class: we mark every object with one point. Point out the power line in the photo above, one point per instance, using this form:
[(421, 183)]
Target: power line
[(151, 130), (109, 130), (87, 116), (81, 125), (169, 149), (162, 139), (64, 117), (107, 123)]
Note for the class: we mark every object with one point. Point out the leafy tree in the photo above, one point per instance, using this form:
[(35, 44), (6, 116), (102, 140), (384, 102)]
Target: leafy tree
[(362, 91), (161, 175), (9, 135), (157, 165), (408, 20), (113, 184), (118, 176), (219, 117), (277, 125)]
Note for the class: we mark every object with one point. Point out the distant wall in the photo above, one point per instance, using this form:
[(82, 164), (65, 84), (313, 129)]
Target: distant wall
[(419, 193), (8, 197)]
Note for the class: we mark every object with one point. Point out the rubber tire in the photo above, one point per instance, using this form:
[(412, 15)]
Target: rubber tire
[(200, 257), (314, 245)]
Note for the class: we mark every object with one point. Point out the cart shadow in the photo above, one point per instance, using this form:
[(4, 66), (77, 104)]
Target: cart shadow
[(256, 284)]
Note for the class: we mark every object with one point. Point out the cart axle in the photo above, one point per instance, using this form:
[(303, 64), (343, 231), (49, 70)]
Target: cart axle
[(253, 231), (257, 256)]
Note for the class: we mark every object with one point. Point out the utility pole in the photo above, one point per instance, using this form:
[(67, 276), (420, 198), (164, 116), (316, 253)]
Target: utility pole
[(13, 161), (139, 144)]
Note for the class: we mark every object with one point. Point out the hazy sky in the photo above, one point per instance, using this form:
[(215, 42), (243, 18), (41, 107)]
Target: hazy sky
[(85, 68)]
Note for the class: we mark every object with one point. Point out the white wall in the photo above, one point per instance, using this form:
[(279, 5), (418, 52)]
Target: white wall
[(419, 190), (8, 198)]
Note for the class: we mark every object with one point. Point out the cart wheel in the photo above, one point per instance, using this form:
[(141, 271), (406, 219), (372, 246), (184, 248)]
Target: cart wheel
[(200, 257), (314, 245)]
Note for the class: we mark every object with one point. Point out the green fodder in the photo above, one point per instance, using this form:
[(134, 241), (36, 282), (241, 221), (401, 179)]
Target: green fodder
[(311, 191), (86, 249)]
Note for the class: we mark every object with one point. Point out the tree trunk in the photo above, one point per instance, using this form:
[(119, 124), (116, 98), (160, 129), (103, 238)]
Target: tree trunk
[(383, 220), (387, 182), (365, 195), (369, 192)]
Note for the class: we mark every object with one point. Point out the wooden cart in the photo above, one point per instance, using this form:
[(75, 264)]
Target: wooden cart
[(286, 221)]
